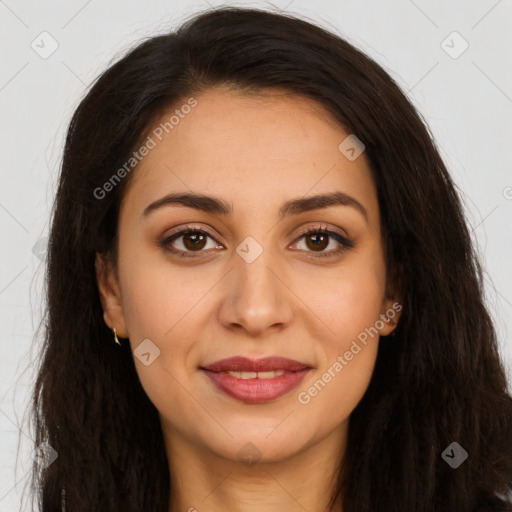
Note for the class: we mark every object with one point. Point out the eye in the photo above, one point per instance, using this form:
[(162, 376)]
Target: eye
[(188, 240), (316, 240)]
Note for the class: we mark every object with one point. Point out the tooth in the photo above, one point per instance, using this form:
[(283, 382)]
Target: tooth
[(254, 375), (270, 375), (244, 375)]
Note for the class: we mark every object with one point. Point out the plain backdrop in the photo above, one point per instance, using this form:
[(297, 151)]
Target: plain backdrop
[(452, 58)]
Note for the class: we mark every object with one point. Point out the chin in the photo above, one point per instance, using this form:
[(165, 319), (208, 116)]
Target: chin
[(256, 446)]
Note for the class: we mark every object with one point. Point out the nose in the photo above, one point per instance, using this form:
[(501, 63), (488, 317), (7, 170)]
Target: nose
[(256, 296)]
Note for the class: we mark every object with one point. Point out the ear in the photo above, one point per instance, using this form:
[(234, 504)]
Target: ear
[(110, 295), (389, 315), (392, 305)]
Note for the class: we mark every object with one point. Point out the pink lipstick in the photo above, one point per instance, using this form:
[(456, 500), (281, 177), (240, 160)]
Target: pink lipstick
[(256, 381)]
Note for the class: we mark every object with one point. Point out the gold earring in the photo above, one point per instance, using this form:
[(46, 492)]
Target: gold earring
[(115, 336)]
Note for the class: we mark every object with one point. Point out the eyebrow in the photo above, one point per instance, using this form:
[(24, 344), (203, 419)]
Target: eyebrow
[(218, 206)]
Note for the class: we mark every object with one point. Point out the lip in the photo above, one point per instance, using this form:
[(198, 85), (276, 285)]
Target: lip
[(256, 390), (265, 364)]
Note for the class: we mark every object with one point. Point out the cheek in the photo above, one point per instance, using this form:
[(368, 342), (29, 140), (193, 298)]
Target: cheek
[(346, 301), (159, 308), (348, 352), (156, 293), (167, 305), (337, 388), (349, 303)]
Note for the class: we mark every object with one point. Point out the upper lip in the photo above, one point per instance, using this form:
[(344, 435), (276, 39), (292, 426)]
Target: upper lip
[(265, 364)]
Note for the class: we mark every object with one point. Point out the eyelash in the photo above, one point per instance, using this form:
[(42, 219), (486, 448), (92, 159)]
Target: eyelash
[(346, 244)]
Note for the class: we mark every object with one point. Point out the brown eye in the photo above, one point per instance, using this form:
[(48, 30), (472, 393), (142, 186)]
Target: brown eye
[(188, 241), (317, 241), (194, 241)]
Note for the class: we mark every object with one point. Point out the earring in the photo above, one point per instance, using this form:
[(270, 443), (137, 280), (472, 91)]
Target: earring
[(116, 339)]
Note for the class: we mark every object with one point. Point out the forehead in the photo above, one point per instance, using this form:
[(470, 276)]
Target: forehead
[(249, 149)]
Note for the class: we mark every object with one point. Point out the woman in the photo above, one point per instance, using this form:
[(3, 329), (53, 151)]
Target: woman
[(262, 292)]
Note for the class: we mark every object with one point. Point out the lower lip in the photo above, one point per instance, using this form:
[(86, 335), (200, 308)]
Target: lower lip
[(256, 391)]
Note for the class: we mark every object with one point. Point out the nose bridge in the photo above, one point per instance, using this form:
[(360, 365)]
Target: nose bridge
[(256, 298), (252, 270)]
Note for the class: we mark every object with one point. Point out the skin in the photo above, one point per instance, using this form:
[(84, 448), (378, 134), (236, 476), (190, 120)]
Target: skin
[(254, 152)]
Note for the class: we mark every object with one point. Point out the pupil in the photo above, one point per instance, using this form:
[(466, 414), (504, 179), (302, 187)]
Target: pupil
[(319, 243), (196, 243)]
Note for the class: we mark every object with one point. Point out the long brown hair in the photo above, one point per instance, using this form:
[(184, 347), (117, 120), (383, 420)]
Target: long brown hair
[(438, 381)]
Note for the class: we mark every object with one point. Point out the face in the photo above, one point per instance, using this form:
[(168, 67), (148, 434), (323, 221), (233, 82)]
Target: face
[(268, 272)]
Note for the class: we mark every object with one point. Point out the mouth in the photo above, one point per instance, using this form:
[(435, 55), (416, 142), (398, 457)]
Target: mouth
[(256, 381)]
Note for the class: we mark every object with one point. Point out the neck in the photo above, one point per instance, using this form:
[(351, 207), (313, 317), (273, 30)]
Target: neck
[(204, 480)]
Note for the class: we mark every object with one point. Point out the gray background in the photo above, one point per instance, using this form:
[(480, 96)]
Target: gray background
[(466, 99)]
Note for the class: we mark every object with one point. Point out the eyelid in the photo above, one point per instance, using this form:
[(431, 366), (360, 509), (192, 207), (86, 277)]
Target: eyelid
[(323, 227), (186, 229), (179, 232), (343, 240)]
